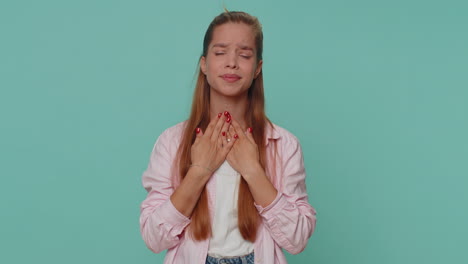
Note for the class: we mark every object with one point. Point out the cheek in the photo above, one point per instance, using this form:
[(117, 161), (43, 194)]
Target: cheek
[(212, 66), (250, 66), (252, 70)]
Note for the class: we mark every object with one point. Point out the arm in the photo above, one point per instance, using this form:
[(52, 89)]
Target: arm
[(207, 153), (287, 213), (165, 212), (290, 218), (161, 224)]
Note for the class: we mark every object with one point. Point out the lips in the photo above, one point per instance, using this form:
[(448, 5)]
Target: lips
[(230, 77)]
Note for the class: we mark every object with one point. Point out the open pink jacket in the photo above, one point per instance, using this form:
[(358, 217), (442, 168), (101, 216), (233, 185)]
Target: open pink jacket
[(287, 223)]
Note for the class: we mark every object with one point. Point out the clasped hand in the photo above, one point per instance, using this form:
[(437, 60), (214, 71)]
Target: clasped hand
[(224, 139)]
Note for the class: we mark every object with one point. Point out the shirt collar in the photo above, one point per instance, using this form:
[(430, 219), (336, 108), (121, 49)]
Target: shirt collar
[(271, 133)]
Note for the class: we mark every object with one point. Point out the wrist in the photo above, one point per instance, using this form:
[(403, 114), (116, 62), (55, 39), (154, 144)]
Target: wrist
[(252, 172), (199, 172), (208, 169)]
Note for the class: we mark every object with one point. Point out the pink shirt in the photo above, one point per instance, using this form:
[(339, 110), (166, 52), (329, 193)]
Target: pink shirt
[(287, 223)]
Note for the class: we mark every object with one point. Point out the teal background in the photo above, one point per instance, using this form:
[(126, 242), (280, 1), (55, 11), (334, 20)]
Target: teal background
[(376, 91)]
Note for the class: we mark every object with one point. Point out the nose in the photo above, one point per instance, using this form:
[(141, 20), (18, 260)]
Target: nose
[(231, 60)]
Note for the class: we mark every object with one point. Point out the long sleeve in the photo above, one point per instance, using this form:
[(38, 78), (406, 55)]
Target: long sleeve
[(161, 224), (290, 218)]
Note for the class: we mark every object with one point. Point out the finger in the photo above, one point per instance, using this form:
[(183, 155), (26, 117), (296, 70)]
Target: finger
[(229, 143), (235, 137), (223, 135), (199, 134), (217, 129), (249, 135), (224, 129), (239, 130), (212, 124), (220, 141), (231, 131), (229, 135)]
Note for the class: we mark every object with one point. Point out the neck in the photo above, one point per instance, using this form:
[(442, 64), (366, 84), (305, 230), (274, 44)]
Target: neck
[(236, 106)]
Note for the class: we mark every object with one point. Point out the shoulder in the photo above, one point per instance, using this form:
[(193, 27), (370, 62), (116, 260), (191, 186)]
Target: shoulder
[(174, 132), (169, 140), (282, 136)]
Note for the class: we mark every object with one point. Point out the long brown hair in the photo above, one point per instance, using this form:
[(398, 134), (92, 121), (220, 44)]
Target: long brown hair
[(248, 219)]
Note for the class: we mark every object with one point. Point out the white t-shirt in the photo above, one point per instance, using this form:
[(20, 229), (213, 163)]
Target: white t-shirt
[(227, 241)]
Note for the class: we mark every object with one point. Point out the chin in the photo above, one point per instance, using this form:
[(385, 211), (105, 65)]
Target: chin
[(234, 94), (230, 92)]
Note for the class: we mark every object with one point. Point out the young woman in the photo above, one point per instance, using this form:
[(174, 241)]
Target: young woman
[(227, 184)]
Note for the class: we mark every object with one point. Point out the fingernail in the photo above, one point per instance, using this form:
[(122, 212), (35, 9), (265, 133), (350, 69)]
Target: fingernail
[(236, 136), (226, 113), (198, 130), (224, 133), (228, 119), (219, 115), (250, 129)]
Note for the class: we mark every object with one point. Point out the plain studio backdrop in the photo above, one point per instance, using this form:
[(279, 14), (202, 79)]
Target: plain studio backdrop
[(376, 92)]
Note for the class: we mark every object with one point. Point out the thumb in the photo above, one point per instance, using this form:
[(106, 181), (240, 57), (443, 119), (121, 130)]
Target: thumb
[(199, 134), (250, 135)]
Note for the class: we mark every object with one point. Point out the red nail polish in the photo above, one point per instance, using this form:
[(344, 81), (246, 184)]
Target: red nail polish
[(236, 136), (250, 129), (198, 130), (228, 119), (224, 133), (219, 115), (226, 113)]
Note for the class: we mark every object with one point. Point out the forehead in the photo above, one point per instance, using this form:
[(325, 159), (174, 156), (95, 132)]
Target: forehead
[(233, 34)]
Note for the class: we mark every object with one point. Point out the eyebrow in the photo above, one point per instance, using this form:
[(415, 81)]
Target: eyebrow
[(224, 45), (245, 47)]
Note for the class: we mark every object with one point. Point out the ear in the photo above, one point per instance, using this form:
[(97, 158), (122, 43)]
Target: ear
[(203, 64), (259, 68)]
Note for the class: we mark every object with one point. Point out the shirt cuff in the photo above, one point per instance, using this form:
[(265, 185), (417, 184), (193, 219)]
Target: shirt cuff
[(275, 206), (169, 213)]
